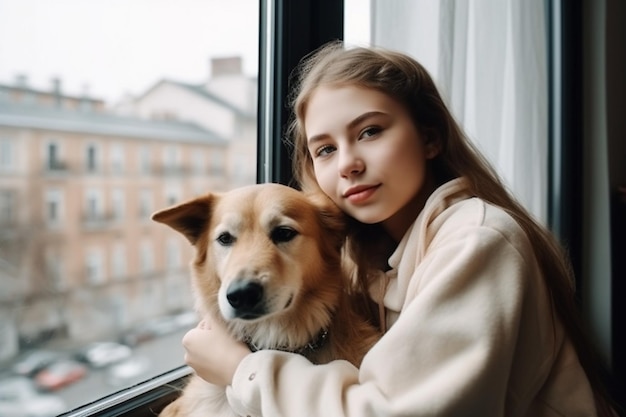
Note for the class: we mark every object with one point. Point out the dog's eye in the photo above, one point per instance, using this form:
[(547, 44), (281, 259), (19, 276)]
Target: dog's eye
[(225, 239), (283, 234)]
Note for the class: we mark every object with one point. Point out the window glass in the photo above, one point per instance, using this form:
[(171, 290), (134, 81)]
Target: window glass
[(357, 22), (110, 110)]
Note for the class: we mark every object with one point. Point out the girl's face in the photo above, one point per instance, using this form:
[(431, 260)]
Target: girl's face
[(368, 155)]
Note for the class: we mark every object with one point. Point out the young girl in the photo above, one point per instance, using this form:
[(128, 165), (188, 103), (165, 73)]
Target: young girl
[(476, 298)]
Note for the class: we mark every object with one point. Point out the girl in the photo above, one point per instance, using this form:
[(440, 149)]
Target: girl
[(476, 298)]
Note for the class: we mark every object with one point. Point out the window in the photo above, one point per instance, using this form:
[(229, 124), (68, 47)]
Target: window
[(7, 207), (172, 251), (117, 158), (53, 163), (146, 256), (94, 205), (92, 158), (94, 266), (54, 270), (145, 204), (118, 206), (7, 155), (173, 194), (145, 160), (54, 207), (118, 261), (171, 159), (199, 163), (76, 118)]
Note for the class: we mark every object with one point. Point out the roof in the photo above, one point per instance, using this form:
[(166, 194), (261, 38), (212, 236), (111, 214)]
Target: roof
[(30, 90), (199, 90), (63, 120)]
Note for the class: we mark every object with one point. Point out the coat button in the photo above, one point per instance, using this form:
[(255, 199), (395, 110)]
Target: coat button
[(251, 377)]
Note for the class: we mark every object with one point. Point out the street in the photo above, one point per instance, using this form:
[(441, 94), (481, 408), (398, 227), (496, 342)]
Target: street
[(164, 354)]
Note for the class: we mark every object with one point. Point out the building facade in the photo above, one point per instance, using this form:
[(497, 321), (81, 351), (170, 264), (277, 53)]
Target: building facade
[(80, 258)]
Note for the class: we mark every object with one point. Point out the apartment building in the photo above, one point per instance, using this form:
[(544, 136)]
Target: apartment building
[(80, 258)]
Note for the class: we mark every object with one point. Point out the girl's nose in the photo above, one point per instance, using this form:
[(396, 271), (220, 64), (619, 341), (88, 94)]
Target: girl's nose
[(350, 164)]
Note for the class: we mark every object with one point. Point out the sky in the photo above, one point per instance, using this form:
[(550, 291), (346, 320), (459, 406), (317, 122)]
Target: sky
[(110, 48)]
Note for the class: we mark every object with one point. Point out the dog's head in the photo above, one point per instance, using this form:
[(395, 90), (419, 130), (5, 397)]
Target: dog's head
[(261, 250)]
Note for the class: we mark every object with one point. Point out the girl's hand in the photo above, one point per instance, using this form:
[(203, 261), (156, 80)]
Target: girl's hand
[(213, 353)]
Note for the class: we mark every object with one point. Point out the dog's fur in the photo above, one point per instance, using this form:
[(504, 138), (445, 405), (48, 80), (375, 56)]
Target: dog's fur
[(268, 263)]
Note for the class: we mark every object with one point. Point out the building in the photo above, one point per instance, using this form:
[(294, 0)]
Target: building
[(80, 258), (226, 104)]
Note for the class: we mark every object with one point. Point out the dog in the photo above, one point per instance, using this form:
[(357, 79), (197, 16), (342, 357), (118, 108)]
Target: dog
[(268, 263)]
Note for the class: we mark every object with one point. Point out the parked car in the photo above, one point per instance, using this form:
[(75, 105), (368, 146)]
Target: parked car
[(20, 398), (160, 326), (60, 374), (34, 361), (187, 319), (129, 371), (101, 354)]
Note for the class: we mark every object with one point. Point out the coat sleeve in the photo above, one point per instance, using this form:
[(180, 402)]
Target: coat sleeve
[(448, 354)]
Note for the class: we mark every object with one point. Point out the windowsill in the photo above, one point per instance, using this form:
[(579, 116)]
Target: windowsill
[(145, 399)]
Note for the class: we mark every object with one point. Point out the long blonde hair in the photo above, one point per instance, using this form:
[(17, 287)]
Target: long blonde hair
[(404, 79)]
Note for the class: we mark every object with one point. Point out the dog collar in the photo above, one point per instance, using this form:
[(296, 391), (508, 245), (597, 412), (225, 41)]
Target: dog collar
[(310, 347)]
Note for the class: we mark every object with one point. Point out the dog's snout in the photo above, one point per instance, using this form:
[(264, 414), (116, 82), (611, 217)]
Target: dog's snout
[(245, 297)]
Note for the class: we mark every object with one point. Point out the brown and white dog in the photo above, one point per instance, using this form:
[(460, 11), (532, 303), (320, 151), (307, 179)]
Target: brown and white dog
[(268, 263)]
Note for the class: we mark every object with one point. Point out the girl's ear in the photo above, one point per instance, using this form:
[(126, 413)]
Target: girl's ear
[(432, 144)]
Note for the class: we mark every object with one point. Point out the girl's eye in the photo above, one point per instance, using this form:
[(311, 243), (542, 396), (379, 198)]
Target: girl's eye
[(370, 131), (324, 150)]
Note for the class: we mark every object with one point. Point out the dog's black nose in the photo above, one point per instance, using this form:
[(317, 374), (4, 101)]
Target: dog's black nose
[(245, 296)]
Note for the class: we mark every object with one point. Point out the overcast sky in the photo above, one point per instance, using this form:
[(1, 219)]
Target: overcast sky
[(113, 47)]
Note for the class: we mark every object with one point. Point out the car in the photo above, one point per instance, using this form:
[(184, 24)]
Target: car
[(160, 326), (20, 398), (33, 361), (59, 374), (101, 354), (129, 371), (187, 319)]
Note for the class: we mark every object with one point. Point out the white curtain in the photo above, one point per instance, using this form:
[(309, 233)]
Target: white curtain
[(489, 60)]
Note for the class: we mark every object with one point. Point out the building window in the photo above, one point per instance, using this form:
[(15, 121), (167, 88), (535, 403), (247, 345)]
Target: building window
[(117, 158), (54, 270), (173, 195), (173, 254), (53, 161), (54, 207), (118, 261), (94, 266), (7, 155), (171, 156), (118, 205), (217, 162), (146, 256), (94, 205), (198, 162), (7, 207), (146, 204), (145, 160), (92, 158)]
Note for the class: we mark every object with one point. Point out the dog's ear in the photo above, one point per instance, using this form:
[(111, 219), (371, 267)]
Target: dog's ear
[(189, 218), (332, 217)]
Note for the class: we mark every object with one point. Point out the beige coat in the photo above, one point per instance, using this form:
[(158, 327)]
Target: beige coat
[(471, 333)]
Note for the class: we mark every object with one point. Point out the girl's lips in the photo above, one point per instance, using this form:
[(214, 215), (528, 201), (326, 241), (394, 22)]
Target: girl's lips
[(360, 194)]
